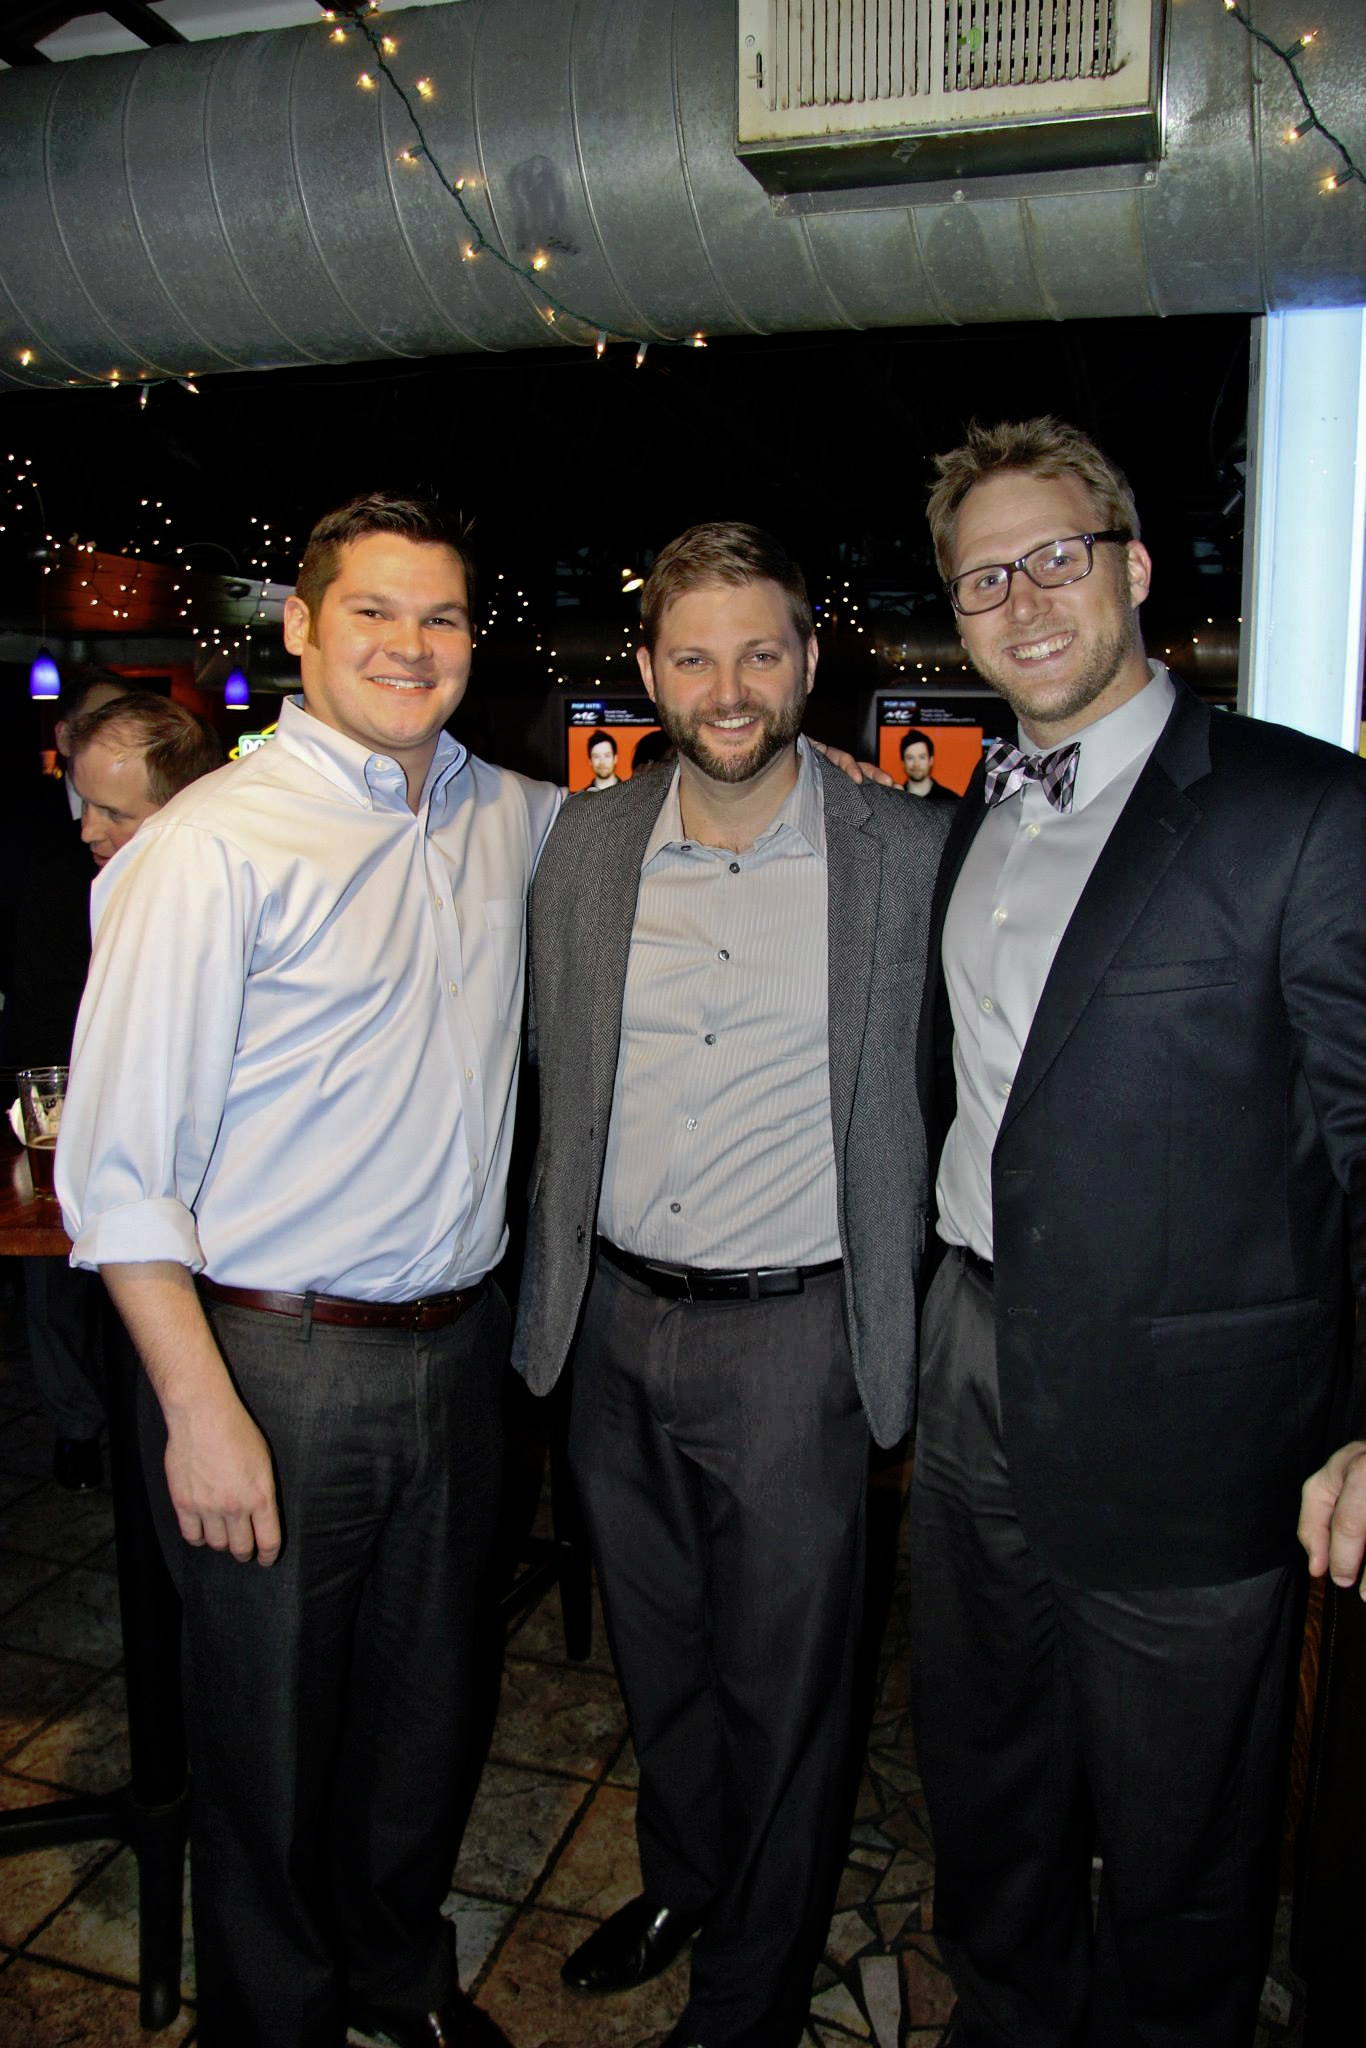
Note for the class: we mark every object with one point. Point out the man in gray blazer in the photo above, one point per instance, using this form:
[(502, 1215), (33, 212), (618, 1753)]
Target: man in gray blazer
[(725, 963)]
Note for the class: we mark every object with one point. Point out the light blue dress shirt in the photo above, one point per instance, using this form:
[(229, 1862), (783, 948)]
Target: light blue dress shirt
[(296, 1060)]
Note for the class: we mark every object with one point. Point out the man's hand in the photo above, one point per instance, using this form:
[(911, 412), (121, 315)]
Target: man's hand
[(1333, 1517), (857, 771), (218, 1466), (221, 1483)]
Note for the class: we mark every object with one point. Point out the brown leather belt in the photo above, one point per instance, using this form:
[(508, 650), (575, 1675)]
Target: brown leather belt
[(704, 1283), (430, 1312)]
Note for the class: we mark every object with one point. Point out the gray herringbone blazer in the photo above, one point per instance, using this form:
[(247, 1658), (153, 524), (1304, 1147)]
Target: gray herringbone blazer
[(882, 854)]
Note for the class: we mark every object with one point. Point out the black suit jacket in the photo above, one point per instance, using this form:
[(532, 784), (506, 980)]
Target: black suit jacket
[(1179, 1182)]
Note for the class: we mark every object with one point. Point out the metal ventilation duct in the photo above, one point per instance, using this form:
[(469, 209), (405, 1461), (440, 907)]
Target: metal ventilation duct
[(240, 204)]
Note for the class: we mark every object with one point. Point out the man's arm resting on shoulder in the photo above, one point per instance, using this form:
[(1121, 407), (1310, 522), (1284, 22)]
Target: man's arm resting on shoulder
[(218, 1466), (1333, 1517), (857, 771)]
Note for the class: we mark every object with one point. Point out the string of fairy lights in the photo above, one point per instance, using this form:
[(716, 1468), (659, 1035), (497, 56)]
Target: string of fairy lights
[(1311, 122), (577, 326), (362, 19), (154, 537), (109, 583)]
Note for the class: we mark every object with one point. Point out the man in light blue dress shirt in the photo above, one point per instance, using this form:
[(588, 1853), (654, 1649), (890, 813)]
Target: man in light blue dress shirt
[(285, 1148)]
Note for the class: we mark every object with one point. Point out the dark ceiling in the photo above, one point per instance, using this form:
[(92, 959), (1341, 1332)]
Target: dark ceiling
[(570, 469)]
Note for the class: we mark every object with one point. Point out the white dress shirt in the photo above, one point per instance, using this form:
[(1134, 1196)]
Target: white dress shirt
[(296, 1060), (1019, 884), (720, 1151)]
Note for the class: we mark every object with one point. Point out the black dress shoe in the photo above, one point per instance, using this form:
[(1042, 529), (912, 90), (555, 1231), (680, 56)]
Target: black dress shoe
[(77, 1463), (457, 2024), (630, 1948)]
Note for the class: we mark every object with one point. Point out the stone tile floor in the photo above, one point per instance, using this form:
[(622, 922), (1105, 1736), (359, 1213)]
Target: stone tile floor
[(549, 1851)]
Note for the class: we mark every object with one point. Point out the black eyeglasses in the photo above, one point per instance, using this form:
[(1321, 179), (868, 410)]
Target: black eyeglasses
[(1050, 566)]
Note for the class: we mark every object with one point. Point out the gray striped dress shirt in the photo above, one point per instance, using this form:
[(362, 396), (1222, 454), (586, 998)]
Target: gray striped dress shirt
[(720, 1151)]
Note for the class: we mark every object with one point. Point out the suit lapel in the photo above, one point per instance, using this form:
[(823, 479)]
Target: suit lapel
[(967, 822), (615, 886), (1147, 837), (853, 892)]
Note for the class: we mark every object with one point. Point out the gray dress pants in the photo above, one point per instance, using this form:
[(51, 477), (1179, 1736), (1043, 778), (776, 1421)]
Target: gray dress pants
[(721, 1454), (331, 1699)]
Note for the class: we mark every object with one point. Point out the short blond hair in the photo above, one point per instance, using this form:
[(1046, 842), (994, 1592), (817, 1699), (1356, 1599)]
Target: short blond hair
[(176, 747), (1040, 447)]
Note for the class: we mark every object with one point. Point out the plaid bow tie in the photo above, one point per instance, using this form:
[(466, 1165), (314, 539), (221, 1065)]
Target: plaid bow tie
[(1008, 770)]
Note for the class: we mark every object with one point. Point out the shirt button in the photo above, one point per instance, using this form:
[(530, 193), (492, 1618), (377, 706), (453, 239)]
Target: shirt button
[(723, 954), (988, 1005), (454, 987), (675, 1208), (474, 1165), (692, 1123), (735, 867), (709, 1038), (685, 847), (1031, 831), (469, 1073), (998, 917), (438, 902), (1005, 1087)]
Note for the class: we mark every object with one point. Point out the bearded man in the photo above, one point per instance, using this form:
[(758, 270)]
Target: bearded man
[(725, 1222)]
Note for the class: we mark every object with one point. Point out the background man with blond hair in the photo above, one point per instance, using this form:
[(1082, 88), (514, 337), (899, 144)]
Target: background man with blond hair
[(128, 757), (1142, 1053)]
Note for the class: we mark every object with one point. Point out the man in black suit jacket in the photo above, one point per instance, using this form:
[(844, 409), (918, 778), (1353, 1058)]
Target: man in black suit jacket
[(1144, 1054)]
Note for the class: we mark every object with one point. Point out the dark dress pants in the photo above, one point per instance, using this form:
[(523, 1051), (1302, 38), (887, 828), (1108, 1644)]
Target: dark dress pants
[(330, 1699), (66, 1344), (721, 1454), (1053, 1718)]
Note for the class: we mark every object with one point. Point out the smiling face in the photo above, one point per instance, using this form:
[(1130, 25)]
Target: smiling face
[(386, 659), (111, 782), (1061, 658), (730, 676)]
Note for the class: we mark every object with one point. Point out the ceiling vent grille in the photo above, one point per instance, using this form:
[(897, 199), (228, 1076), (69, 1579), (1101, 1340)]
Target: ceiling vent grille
[(837, 93)]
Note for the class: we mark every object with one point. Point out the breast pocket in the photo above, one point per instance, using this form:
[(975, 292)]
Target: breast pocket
[(505, 923), (1170, 977)]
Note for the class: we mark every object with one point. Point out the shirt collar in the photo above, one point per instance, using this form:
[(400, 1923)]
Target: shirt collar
[(802, 810), (373, 779), (1121, 737)]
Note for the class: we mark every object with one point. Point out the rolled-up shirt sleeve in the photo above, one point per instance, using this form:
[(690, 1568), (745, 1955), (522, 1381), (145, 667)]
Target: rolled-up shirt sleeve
[(175, 919)]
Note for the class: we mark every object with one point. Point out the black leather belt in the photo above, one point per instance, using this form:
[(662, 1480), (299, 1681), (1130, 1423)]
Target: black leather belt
[(430, 1312), (976, 1264), (703, 1283)]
